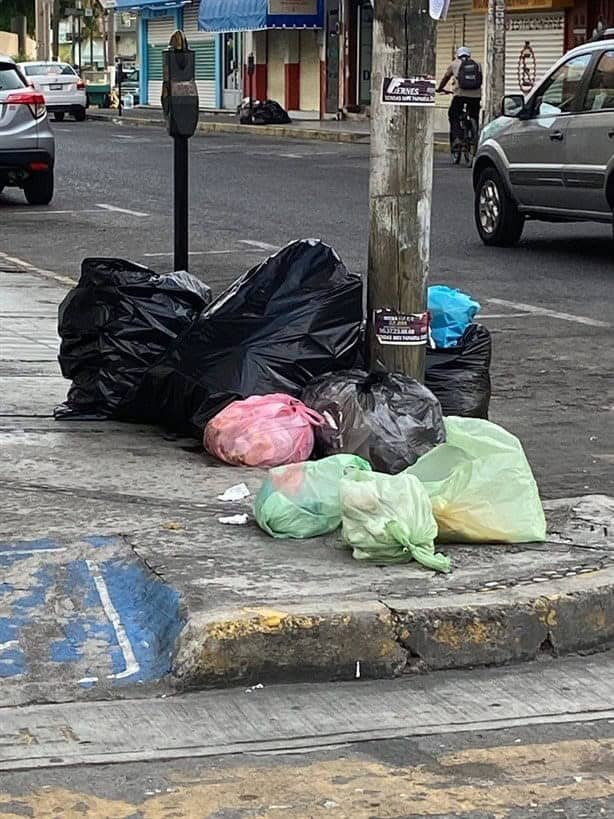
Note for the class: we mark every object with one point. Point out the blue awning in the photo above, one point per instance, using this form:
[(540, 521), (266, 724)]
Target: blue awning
[(255, 15), (146, 5)]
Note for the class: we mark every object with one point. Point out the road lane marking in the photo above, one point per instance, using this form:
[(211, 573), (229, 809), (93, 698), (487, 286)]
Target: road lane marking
[(132, 665), (205, 252), (502, 315), (543, 311), (259, 245), (29, 212), (115, 209), (30, 268)]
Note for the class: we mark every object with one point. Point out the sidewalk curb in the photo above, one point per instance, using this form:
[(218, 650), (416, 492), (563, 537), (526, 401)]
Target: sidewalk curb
[(279, 131), (378, 640)]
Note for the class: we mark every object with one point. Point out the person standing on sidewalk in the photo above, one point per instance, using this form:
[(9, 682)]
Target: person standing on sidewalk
[(467, 76)]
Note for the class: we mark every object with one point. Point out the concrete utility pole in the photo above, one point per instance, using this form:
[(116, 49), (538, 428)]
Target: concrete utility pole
[(495, 59), (400, 181)]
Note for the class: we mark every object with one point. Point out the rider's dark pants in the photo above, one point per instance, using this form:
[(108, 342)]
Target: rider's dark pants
[(456, 109)]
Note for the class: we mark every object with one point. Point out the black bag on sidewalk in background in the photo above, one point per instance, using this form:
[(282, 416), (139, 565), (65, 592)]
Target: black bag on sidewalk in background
[(118, 320), (285, 321), (267, 112), (460, 376), (387, 418)]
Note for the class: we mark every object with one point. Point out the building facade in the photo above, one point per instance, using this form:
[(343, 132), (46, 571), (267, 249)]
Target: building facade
[(538, 32), (314, 56)]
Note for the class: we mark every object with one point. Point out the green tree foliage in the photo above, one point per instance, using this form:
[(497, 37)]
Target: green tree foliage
[(11, 8)]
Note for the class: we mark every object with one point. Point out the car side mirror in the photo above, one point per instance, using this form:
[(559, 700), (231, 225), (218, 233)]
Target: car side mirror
[(512, 105)]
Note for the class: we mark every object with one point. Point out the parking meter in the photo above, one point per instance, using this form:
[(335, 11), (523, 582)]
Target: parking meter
[(179, 92), (180, 104)]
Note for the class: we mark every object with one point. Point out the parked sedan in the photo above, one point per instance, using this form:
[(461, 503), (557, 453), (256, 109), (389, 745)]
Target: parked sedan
[(62, 87), (27, 147)]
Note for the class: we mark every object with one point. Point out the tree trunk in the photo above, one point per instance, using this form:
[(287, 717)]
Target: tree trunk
[(56, 29), (401, 178), (495, 59)]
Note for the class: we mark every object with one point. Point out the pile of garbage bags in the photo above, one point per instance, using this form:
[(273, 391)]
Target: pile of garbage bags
[(458, 365), (291, 318), (268, 375), (475, 488), (262, 112)]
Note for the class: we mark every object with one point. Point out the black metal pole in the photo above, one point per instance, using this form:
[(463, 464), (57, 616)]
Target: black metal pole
[(181, 202)]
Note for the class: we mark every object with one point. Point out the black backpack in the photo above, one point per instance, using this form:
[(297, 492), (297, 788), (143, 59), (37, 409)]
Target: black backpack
[(469, 75)]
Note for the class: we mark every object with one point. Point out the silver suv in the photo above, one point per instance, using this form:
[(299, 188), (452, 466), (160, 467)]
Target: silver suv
[(27, 145), (551, 156)]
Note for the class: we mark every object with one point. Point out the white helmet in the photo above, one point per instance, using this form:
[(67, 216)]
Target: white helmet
[(463, 51)]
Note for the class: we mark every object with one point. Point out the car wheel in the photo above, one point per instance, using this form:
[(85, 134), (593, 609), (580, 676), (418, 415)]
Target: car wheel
[(496, 216), (80, 115), (59, 116), (39, 188)]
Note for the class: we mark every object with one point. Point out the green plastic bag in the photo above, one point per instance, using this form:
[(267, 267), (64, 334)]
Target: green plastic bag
[(481, 485), (302, 500), (389, 519)]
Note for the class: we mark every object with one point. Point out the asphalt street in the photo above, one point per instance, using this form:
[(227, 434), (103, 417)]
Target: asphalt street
[(557, 761), (547, 302)]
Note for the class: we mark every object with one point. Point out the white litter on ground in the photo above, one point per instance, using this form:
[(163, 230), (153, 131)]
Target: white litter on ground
[(235, 493), (234, 520)]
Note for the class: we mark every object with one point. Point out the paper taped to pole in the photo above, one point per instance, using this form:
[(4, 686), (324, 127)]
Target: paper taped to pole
[(408, 91)]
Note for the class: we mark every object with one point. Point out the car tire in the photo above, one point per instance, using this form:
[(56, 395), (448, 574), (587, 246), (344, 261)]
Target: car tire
[(497, 218), (38, 189), (80, 115), (59, 116)]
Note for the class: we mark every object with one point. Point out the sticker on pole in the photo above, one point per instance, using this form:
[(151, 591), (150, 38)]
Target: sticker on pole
[(411, 91), (401, 329)]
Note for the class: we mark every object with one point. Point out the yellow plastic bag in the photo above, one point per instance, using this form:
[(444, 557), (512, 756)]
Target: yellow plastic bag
[(481, 485)]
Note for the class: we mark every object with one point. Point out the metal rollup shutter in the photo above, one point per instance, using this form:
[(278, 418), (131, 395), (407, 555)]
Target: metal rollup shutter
[(203, 43), (160, 29), (190, 25), (526, 64), (159, 33), (463, 26)]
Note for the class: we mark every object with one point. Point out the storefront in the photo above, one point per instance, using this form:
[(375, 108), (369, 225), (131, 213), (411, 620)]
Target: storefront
[(535, 33), (286, 39), (158, 19)]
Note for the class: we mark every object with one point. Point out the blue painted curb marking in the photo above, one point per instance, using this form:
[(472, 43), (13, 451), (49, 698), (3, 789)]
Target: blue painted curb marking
[(121, 606)]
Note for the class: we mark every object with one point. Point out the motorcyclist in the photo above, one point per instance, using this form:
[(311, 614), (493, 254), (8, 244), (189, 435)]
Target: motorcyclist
[(466, 74)]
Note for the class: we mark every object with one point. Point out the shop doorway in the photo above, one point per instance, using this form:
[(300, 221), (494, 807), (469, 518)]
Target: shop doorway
[(364, 53), (332, 57), (232, 60)]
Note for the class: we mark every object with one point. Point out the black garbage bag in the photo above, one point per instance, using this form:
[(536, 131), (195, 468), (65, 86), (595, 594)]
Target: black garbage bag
[(116, 323), (387, 418), (285, 321), (266, 112), (460, 376)]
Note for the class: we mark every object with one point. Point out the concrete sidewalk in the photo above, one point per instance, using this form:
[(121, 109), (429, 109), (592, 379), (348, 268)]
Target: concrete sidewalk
[(118, 573), (357, 131)]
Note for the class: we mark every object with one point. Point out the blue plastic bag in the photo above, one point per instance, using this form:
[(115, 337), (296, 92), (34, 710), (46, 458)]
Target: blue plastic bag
[(452, 311)]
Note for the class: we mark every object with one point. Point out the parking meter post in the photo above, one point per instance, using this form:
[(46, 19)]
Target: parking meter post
[(120, 77), (251, 67), (180, 106), (180, 161)]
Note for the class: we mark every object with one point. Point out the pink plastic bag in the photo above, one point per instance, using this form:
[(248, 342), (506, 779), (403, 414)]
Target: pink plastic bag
[(264, 430)]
